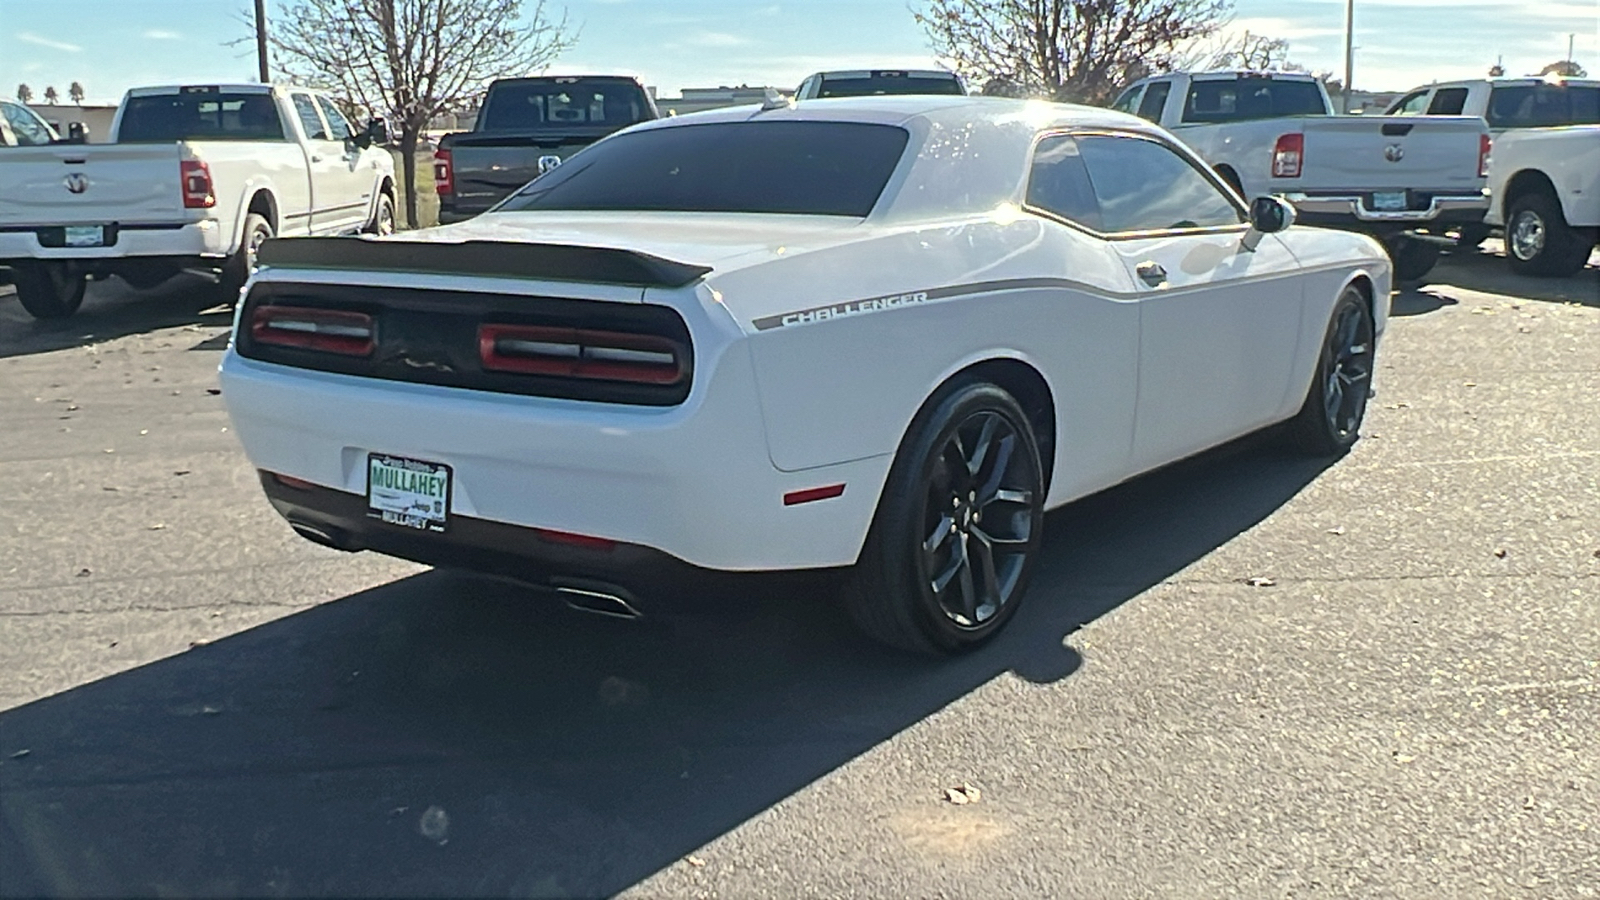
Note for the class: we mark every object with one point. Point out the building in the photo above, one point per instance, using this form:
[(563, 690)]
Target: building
[(700, 99), (60, 116)]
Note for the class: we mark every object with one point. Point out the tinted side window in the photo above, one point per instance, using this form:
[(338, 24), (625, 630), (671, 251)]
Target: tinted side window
[(1155, 100), (309, 120), (30, 131), (1143, 185), (1059, 183), (1543, 106), (802, 168), (1129, 100), (1448, 102), (342, 129), (1411, 105)]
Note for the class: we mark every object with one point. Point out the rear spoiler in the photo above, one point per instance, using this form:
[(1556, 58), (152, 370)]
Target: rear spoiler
[(499, 259)]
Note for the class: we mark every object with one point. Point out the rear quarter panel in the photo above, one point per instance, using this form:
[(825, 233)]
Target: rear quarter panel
[(1569, 157), (241, 169)]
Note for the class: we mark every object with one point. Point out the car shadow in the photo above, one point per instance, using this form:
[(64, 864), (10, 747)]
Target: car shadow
[(1419, 301), (112, 309), (447, 735), (1485, 269)]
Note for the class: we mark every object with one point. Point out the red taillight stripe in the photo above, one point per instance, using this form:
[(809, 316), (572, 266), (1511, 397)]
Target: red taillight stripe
[(290, 481), (588, 542), (1485, 148), (308, 328), (809, 495), (444, 174), (195, 179), (1289, 156), (581, 353)]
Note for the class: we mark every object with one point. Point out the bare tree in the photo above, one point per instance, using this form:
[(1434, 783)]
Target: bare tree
[(50, 95), (75, 91), (412, 59), (24, 93), (1244, 50), (1078, 50)]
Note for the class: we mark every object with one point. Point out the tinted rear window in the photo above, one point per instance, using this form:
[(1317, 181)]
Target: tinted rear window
[(890, 84), (516, 106), (161, 118), (1251, 98), (1544, 106), (805, 168)]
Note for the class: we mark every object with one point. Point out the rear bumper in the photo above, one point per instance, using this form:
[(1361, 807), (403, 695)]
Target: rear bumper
[(1440, 209), (204, 238), (693, 482)]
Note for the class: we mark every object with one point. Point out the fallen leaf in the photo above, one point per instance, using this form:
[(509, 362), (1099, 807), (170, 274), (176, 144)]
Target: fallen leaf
[(72, 407), (1500, 553), (1258, 581), (434, 825), (962, 794), (82, 573), (182, 472), (195, 644), (113, 643), (695, 861), (213, 391), (1528, 803), (1338, 530), (210, 711), (20, 754), (157, 526), (1403, 758), (144, 432), (109, 489)]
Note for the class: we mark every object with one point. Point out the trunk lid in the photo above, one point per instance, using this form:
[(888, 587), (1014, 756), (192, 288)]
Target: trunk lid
[(66, 184), (1375, 153)]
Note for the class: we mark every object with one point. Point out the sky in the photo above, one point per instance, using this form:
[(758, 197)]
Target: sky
[(111, 45)]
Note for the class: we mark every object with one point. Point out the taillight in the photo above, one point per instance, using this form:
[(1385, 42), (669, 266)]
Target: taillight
[(198, 192), (581, 353), (1288, 156), (328, 330), (444, 175), (1485, 144)]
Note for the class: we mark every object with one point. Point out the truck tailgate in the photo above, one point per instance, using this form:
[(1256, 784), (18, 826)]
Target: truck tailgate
[(66, 184), (491, 166), (1428, 153)]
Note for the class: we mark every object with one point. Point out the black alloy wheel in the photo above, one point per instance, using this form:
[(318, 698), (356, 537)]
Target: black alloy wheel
[(958, 527), (1330, 421)]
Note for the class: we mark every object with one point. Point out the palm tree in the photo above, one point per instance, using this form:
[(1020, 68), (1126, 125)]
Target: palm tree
[(76, 92), (50, 95), (24, 93)]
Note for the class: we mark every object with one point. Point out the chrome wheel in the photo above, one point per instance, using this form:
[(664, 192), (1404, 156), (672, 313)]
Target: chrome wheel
[(385, 223), (1348, 376), (978, 519), (1527, 235), (258, 236)]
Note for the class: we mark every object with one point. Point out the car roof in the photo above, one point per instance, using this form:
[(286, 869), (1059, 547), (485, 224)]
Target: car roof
[(1225, 74), (868, 73), (1509, 81), (900, 109)]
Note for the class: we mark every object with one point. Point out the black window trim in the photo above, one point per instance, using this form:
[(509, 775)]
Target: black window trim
[(1205, 171)]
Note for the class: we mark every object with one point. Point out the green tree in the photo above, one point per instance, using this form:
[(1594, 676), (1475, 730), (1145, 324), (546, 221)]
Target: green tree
[(50, 95), (75, 91), (24, 93)]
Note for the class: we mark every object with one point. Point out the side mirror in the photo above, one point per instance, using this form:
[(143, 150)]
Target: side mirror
[(1268, 215)]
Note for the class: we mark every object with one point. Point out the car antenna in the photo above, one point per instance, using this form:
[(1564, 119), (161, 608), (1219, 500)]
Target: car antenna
[(775, 100)]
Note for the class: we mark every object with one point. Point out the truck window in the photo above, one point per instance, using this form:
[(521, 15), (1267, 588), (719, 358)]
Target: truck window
[(1448, 102), (1410, 105), (1252, 98), (342, 129), (309, 119), (29, 128), (1155, 100), (880, 83), (199, 116), (1543, 106), (1129, 100), (554, 105), (800, 168)]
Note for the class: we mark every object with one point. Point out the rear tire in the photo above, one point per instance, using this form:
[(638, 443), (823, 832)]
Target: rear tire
[(1413, 259), (49, 290), (240, 266), (1540, 242), (1329, 422), (958, 526)]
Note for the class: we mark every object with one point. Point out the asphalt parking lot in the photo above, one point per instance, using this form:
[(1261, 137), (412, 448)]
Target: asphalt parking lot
[(1248, 675)]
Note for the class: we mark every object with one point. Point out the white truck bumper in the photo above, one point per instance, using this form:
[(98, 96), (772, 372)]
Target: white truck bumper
[(203, 238)]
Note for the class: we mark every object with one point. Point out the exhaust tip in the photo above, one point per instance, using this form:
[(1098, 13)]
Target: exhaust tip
[(317, 535), (600, 602)]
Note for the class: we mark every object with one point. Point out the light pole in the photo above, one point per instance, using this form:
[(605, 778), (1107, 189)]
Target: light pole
[(1349, 49), (261, 41)]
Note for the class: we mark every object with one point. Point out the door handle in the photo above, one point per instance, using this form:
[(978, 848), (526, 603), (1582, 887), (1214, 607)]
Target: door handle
[(1152, 274)]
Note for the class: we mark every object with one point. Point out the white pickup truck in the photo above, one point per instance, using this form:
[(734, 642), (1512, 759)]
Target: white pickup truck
[(1544, 179), (196, 178), (1404, 181)]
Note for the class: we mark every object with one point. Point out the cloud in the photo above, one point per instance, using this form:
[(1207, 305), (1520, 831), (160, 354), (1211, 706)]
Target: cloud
[(161, 34), (28, 37), (715, 39)]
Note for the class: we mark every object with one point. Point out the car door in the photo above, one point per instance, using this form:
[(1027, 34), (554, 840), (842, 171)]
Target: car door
[(360, 173), (1218, 324), (326, 161)]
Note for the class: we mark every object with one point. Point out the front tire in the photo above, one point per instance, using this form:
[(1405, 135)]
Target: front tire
[(383, 217), (50, 290), (1540, 242), (957, 529), (1413, 259), (1329, 422)]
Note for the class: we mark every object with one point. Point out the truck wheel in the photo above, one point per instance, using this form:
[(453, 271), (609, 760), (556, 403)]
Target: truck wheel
[(49, 290), (1413, 259), (240, 266), (1540, 242), (957, 528), (1329, 422), (382, 217)]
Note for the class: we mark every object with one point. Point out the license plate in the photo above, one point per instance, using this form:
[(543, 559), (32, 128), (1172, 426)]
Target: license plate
[(1389, 201), (408, 492), (86, 236)]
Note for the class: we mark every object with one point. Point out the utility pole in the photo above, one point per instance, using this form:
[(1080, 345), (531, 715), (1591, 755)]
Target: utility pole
[(1569, 51), (261, 41), (1349, 49)]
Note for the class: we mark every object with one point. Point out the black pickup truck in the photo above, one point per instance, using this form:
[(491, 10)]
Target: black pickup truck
[(526, 127)]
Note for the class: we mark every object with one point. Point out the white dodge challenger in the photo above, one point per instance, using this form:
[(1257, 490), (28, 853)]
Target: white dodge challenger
[(882, 333)]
